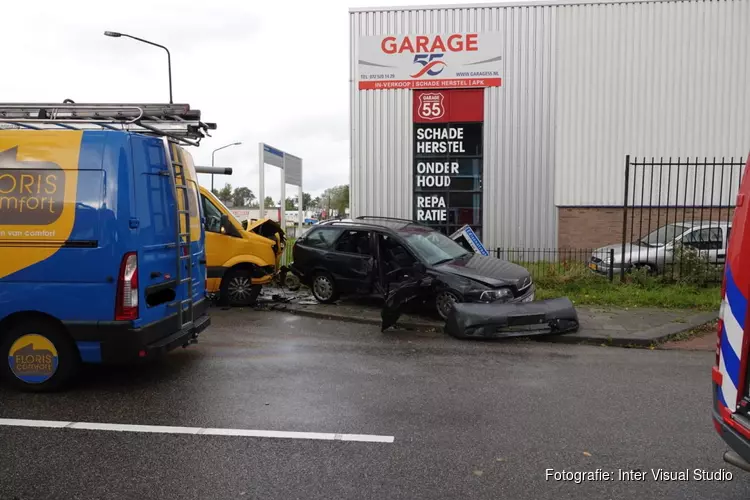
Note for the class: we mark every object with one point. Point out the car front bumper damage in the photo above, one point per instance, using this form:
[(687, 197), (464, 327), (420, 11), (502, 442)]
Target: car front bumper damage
[(512, 319)]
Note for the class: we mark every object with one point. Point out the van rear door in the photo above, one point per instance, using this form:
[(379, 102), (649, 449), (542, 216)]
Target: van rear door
[(157, 228)]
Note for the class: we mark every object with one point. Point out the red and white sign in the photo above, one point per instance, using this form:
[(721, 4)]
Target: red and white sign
[(449, 106), (431, 106), (448, 60)]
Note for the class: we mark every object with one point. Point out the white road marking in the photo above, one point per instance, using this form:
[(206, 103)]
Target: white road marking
[(203, 431)]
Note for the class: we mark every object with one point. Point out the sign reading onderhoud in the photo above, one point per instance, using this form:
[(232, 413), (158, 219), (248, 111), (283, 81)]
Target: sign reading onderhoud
[(430, 61)]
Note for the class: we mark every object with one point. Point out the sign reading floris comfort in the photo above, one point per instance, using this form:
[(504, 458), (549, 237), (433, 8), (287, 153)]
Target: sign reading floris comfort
[(448, 158)]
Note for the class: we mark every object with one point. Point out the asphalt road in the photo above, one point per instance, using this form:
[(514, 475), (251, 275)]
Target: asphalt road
[(469, 420)]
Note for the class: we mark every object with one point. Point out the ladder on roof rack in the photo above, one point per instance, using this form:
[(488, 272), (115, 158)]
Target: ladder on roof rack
[(184, 248), (176, 121)]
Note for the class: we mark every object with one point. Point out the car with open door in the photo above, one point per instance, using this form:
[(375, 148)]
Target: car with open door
[(372, 255)]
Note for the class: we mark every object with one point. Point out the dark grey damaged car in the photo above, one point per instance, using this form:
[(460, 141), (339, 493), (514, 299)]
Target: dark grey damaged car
[(375, 255)]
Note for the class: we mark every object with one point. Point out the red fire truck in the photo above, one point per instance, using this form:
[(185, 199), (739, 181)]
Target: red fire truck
[(731, 377)]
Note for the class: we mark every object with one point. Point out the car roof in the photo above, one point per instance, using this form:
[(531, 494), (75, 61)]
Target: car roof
[(380, 223), (692, 224)]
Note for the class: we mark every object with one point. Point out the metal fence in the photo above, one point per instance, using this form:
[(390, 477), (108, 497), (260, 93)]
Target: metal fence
[(561, 263), (677, 216)]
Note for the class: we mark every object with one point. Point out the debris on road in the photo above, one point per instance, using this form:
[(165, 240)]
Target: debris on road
[(490, 321)]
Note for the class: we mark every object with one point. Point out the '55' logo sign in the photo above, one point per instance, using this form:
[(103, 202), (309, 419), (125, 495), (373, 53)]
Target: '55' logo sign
[(431, 64)]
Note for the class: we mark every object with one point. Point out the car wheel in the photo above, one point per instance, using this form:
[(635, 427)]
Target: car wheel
[(647, 268), (39, 357), (444, 303), (292, 282), (324, 288), (237, 289)]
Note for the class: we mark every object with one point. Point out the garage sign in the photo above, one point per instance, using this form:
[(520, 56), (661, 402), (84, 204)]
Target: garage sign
[(442, 60), (448, 158)]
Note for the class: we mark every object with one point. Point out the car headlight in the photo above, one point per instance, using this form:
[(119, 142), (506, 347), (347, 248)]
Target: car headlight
[(497, 294)]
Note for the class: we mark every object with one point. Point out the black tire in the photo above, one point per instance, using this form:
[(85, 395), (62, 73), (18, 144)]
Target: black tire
[(324, 288), (237, 289), (54, 374), (442, 298), (292, 282), (647, 268)]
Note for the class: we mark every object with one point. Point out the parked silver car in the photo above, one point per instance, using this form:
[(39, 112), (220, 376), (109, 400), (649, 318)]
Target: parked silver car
[(656, 250)]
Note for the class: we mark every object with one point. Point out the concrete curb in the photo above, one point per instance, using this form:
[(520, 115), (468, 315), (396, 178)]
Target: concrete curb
[(645, 338)]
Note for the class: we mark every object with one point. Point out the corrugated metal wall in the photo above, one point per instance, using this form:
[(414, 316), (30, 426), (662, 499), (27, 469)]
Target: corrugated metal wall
[(583, 85), (648, 79), (519, 119)]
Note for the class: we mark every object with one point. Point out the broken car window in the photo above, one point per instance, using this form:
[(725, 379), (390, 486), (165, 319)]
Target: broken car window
[(354, 242), (434, 247), (322, 237)]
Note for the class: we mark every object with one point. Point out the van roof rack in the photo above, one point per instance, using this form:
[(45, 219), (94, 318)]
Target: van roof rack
[(175, 121)]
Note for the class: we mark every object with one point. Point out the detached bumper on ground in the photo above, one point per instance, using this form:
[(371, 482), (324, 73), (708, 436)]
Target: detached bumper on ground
[(492, 321)]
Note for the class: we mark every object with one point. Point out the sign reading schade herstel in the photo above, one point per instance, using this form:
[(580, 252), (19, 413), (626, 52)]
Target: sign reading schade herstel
[(430, 61)]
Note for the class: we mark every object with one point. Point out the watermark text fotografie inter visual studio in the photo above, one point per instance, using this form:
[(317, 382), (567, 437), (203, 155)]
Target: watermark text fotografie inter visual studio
[(637, 475)]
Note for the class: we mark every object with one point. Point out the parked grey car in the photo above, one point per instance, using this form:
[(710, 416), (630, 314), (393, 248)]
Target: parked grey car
[(656, 250)]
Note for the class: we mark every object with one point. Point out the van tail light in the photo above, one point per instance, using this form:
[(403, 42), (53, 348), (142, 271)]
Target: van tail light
[(126, 307)]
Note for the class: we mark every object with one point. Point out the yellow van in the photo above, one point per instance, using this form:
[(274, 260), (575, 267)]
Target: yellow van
[(239, 261)]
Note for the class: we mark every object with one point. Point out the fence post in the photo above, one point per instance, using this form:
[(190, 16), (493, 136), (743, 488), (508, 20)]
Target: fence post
[(611, 264), (625, 216), (497, 253)]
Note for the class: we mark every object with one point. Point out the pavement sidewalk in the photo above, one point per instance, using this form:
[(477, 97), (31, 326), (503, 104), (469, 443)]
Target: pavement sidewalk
[(637, 327)]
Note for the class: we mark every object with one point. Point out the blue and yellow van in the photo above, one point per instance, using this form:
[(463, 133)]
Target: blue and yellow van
[(97, 264)]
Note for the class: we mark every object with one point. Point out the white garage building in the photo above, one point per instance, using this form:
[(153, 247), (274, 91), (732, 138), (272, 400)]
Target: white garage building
[(548, 98)]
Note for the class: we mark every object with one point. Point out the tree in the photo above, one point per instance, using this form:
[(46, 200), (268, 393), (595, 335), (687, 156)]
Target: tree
[(268, 202), (291, 204), (315, 203), (306, 201), (225, 193), (215, 192), (336, 198), (242, 197)]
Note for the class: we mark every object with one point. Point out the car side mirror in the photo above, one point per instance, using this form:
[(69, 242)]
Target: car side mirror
[(420, 268), (224, 223)]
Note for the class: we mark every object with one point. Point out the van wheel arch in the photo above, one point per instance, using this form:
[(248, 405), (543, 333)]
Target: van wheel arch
[(21, 317)]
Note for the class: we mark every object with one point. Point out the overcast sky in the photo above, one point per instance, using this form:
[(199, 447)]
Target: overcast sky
[(270, 71)]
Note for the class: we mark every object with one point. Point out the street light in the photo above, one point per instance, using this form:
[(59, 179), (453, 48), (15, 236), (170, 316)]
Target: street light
[(212, 160), (115, 34)]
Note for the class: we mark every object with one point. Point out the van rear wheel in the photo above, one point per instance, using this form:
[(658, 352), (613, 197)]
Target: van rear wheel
[(38, 357)]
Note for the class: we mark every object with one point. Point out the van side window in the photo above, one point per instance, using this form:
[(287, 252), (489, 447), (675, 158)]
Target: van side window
[(322, 237), (213, 216)]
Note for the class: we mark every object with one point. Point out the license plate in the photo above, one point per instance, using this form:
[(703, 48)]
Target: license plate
[(593, 266)]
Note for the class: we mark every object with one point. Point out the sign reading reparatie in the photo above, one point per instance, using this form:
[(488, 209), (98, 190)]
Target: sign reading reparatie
[(448, 158), (430, 61)]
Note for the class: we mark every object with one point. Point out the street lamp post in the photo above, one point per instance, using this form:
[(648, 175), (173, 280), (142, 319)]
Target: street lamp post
[(212, 160), (115, 34)]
